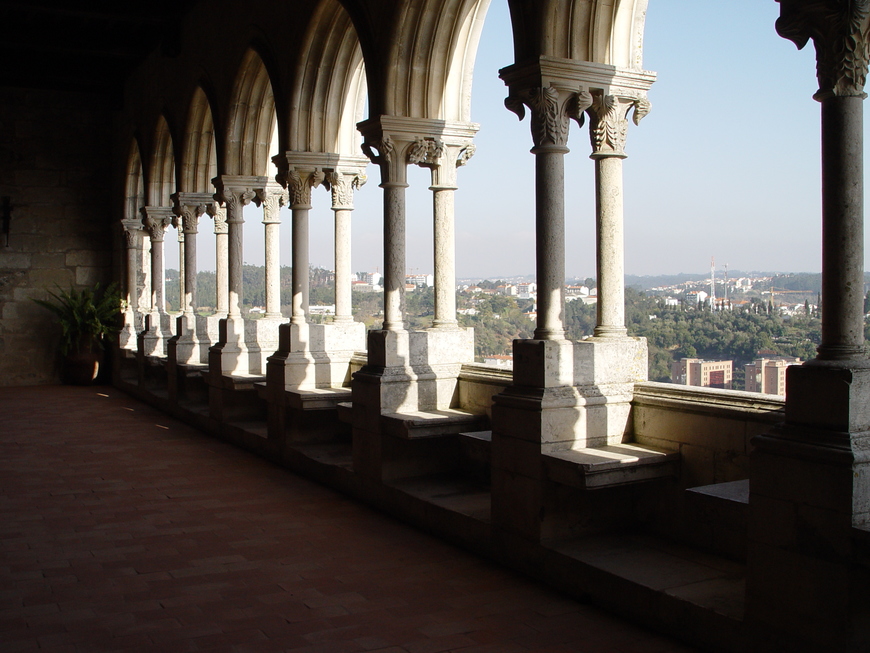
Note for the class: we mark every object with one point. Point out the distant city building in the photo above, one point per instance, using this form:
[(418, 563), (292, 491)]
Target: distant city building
[(373, 278), (500, 361), (420, 280), (322, 310), (696, 297), (527, 290), (767, 375), (362, 286), (705, 374)]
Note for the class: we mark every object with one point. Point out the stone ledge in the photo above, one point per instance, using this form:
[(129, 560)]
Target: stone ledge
[(316, 398), (711, 401), (414, 425), (609, 466)]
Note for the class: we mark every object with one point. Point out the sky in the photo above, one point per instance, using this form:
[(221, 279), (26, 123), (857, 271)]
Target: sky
[(726, 165)]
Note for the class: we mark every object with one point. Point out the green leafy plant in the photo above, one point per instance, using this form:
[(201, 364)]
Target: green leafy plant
[(86, 316)]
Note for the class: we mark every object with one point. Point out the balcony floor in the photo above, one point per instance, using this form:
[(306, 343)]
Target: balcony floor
[(124, 529)]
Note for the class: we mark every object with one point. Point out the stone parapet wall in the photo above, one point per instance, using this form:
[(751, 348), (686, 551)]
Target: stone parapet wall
[(55, 166)]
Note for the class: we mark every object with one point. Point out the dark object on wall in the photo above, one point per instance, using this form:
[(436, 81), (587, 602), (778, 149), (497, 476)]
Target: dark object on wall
[(6, 218)]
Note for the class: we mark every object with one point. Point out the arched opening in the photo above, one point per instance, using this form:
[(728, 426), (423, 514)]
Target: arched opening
[(135, 199)]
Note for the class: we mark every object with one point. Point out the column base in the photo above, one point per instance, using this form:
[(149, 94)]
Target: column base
[(229, 355), (158, 331), (184, 347), (311, 356), (809, 516)]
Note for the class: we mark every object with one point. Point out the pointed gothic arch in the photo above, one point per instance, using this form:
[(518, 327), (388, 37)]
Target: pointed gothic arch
[(162, 177), (134, 183), (597, 31), (328, 97), (251, 119), (199, 158), (431, 60)]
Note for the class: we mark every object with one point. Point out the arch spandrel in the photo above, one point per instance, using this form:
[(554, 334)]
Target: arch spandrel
[(251, 120), (162, 181), (329, 92), (199, 159)]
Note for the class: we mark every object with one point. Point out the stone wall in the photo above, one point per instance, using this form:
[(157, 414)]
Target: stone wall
[(55, 166)]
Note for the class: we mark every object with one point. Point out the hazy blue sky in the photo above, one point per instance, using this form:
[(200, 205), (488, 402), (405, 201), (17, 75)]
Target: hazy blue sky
[(725, 165)]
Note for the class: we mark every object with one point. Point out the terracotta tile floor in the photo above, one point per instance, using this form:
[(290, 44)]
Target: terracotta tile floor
[(123, 529)]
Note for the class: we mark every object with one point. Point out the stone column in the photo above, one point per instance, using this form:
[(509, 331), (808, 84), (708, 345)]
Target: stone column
[(342, 184), (236, 199), (272, 197), (133, 241), (182, 262), (608, 129), (190, 331), (190, 228), (222, 300), (443, 160), (551, 109), (231, 354), (156, 221), (300, 179), (808, 584), (393, 163)]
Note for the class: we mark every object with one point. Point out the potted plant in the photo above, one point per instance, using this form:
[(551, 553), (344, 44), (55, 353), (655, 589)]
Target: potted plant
[(87, 318)]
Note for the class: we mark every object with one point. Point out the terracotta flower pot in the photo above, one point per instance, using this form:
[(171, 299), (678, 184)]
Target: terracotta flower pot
[(81, 367)]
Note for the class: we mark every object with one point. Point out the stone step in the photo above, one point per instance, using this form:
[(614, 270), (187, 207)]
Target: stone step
[(609, 466), (455, 493), (657, 580), (716, 517), (414, 425), (317, 398), (345, 411), (475, 457)]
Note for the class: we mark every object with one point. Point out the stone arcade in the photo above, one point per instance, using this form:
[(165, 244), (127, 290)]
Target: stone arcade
[(734, 521)]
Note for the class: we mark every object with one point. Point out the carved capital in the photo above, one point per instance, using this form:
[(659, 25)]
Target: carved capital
[(839, 31), (272, 197), (343, 184), (551, 109), (132, 233), (189, 219), (426, 152), (219, 215), (385, 147), (608, 124), (235, 199), (300, 181), (156, 226)]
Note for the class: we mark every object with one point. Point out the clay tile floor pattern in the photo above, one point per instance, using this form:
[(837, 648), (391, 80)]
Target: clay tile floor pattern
[(122, 529)]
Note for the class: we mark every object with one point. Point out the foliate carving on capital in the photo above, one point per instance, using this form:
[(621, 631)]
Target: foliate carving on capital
[(156, 227), (551, 109), (426, 152), (608, 127), (132, 238), (132, 232), (272, 200), (342, 185), (189, 218), (465, 154), (300, 184), (219, 215), (235, 199), (384, 146), (839, 30)]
